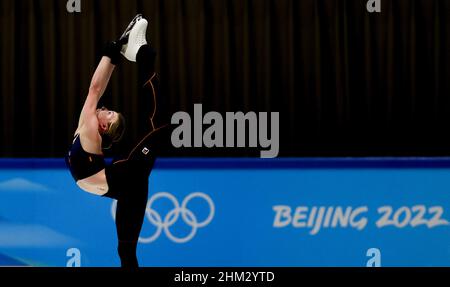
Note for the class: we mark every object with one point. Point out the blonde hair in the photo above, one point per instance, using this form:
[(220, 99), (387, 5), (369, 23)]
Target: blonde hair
[(114, 133)]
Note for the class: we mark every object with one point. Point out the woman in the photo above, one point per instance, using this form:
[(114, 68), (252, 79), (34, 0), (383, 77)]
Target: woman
[(125, 180)]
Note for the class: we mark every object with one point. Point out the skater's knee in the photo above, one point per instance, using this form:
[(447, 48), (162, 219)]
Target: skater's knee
[(127, 254)]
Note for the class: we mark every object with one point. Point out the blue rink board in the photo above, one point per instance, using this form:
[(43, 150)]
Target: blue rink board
[(237, 212)]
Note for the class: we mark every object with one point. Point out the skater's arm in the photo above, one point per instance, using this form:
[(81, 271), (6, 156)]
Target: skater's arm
[(98, 86)]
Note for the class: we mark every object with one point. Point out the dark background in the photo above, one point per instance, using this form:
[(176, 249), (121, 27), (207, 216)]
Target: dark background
[(345, 82)]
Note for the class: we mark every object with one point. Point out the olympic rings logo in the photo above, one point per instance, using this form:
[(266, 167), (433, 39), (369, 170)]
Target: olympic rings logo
[(172, 216)]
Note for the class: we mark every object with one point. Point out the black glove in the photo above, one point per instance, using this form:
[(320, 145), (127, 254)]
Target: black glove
[(112, 51)]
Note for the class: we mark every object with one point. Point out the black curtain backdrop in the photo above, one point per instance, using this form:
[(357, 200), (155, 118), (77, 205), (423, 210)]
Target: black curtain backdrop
[(345, 82)]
